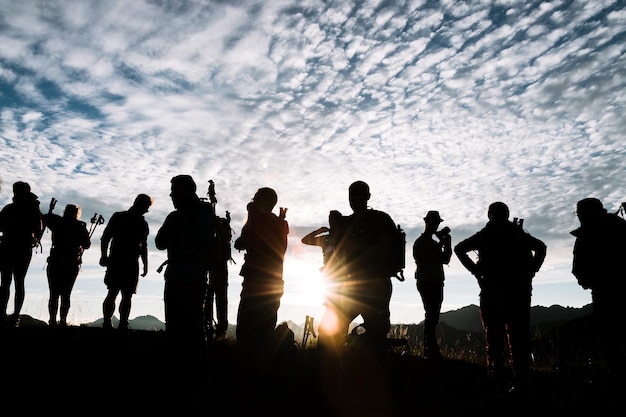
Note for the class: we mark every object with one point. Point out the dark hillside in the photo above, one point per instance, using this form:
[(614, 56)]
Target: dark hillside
[(82, 370)]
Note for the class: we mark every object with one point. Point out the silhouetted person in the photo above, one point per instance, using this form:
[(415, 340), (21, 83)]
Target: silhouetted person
[(264, 240), (70, 238), (189, 236), (599, 264), (430, 256), (333, 325), (366, 244), (123, 243), (21, 224), (356, 380), (217, 293), (508, 259)]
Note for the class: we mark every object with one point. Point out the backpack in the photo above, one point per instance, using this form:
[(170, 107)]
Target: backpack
[(398, 262)]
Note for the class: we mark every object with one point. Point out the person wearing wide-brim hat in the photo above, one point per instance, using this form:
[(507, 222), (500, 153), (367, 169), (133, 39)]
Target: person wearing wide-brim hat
[(430, 256)]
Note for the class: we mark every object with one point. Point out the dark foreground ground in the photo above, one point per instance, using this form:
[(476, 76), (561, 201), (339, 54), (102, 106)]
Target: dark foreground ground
[(85, 370)]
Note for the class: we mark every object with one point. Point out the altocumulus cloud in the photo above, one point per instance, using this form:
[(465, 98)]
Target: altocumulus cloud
[(437, 105)]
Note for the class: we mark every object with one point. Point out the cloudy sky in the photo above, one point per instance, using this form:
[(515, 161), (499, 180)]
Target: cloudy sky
[(444, 105)]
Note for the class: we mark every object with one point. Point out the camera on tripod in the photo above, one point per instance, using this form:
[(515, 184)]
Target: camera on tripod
[(443, 232)]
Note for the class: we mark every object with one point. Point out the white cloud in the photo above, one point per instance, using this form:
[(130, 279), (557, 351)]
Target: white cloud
[(448, 108)]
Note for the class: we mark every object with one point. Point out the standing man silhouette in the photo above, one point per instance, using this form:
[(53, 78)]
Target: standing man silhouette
[(508, 259), (264, 238), (366, 242), (430, 256), (21, 224), (189, 236), (123, 243), (599, 265)]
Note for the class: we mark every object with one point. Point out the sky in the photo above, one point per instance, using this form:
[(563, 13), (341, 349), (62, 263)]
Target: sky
[(437, 105)]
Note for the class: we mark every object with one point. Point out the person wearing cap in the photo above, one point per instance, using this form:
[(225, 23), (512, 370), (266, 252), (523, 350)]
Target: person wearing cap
[(21, 224), (123, 243), (430, 256), (599, 265), (508, 259)]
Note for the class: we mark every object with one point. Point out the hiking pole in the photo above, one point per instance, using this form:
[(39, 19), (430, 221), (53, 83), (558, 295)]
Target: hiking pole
[(53, 203), (95, 221)]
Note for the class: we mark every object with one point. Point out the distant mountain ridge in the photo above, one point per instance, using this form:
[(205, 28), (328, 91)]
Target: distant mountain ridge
[(468, 318), (138, 323), (463, 319)]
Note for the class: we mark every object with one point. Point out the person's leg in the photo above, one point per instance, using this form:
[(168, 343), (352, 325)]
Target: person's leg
[(66, 291), (6, 276), (376, 314), (493, 324), (53, 306), (53, 300), (268, 318), (20, 270), (606, 317), (431, 294), (108, 307), (188, 326), (209, 299), (332, 330), (252, 327), (64, 308), (519, 338), (125, 306), (221, 301)]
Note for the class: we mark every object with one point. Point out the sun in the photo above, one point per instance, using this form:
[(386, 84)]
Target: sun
[(305, 285)]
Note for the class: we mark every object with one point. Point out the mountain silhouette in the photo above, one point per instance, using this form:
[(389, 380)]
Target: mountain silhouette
[(147, 322), (541, 318), (467, 318)]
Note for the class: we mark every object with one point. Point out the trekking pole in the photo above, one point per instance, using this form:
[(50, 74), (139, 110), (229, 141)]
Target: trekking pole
[(308, 330), (95, 221), (53, 203)]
